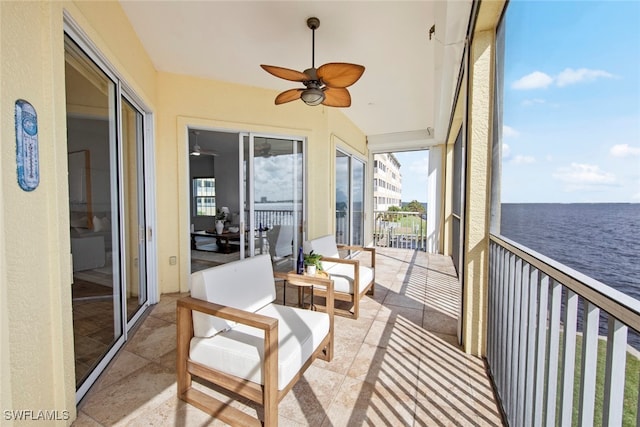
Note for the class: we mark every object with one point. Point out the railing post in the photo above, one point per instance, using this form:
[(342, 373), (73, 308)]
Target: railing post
[(589, 363), (554, 346), (615, 371), (569, 358)]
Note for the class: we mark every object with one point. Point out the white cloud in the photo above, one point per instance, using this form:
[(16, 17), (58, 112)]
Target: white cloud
[(506, 152), (535, 101), (523, 160), (535, 80), (570, 76), (581, 175), (509, 132), (624, 150)]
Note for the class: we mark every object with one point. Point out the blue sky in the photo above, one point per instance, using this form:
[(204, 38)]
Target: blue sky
[(572, 102), (414, 166)]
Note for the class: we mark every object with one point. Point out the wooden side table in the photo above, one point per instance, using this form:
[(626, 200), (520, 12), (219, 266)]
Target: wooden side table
[(302, 281)]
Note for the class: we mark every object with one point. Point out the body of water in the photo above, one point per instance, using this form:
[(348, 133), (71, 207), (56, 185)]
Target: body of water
[(601, 240)]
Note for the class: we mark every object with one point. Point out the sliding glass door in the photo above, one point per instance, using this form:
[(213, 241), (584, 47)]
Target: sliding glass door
[(272, 179), (349, 209), (107, 198), (134, 218)]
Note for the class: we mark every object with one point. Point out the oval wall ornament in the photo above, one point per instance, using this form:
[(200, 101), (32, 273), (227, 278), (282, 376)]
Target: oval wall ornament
[(27, 159)]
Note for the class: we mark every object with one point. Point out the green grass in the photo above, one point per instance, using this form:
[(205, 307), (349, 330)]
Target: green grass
[(409, 224), (632, 383)]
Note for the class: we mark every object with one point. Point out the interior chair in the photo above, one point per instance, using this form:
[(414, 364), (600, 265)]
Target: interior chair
[(351, 280), (232, 334), (280, 239)]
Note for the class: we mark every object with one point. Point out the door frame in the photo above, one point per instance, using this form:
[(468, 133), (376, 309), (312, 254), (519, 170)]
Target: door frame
[(187, 124), (79, 37)]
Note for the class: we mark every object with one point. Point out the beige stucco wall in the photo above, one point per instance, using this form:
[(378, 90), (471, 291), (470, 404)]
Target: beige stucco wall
[(191, 102), (36, 293)]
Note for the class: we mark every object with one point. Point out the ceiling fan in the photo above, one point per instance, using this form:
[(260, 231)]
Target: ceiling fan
[(325, 85), (197, 150)]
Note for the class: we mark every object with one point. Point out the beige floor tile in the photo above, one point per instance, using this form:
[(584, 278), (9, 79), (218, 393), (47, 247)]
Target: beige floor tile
[(154, 339), (83, 420), (122, 401), (360, 403), (125, 364), (386, 367), (310, 398), (438, 322)]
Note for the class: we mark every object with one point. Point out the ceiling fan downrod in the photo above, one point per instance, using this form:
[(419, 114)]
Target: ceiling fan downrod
[(313, 23)]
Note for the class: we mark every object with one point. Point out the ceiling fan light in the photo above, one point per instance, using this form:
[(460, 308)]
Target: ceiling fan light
[(312, 96), (196, 150)]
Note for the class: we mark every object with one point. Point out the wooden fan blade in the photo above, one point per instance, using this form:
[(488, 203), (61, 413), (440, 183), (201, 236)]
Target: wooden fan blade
[(336, 97), (286, 73), (340, 74), (288, 96)]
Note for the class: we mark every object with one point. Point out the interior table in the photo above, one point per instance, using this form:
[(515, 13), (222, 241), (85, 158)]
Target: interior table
[(222, 240)]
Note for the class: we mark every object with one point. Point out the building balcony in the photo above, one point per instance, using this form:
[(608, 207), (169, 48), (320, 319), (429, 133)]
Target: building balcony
[(398, 364)]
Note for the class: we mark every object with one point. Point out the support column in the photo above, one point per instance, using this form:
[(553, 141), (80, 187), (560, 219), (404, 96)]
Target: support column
[(478, 192), (434, 202)]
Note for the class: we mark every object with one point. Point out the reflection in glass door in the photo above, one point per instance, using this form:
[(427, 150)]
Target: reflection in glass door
[(273, 180), (91, 142), (105, 141), (350, 181), (134, 213)]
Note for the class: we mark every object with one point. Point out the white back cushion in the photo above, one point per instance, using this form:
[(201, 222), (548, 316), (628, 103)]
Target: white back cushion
[(246, 284), (325, 246)]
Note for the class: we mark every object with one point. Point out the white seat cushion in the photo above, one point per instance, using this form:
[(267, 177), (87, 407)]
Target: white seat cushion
[(343, 275), (247, 284), (325, 246), (239, 351)]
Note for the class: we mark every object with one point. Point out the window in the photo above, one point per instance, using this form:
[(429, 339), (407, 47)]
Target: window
[(204, 196)]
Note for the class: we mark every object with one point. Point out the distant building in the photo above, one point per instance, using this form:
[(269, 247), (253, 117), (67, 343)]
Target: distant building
[(387, 182)]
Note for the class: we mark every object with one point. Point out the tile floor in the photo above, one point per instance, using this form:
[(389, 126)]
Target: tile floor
[(397, 365)]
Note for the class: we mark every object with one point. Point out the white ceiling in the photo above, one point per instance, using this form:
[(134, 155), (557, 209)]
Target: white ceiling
[(400, 91)]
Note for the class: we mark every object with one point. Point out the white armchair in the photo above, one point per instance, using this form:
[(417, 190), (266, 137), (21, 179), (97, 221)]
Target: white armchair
[(351, 279), (232, 334)]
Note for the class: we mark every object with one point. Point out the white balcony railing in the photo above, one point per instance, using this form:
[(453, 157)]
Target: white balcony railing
[(404, 230), (560, 344)]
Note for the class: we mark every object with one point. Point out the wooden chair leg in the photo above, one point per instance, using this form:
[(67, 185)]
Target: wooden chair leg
[(270, 388), (184, 334), (356, 305)]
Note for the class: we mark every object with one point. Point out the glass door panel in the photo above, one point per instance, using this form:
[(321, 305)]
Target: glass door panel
[(343, 205), (93, 206), (357, 203), (273, 173), (350, 182), (134, 210)]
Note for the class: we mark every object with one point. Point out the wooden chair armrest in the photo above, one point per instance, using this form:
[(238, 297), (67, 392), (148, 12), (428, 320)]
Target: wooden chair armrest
[(229, 313), (372, 251)]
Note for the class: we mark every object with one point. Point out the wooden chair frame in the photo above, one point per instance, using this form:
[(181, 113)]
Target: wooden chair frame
[(355, 297), (266, 395)]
